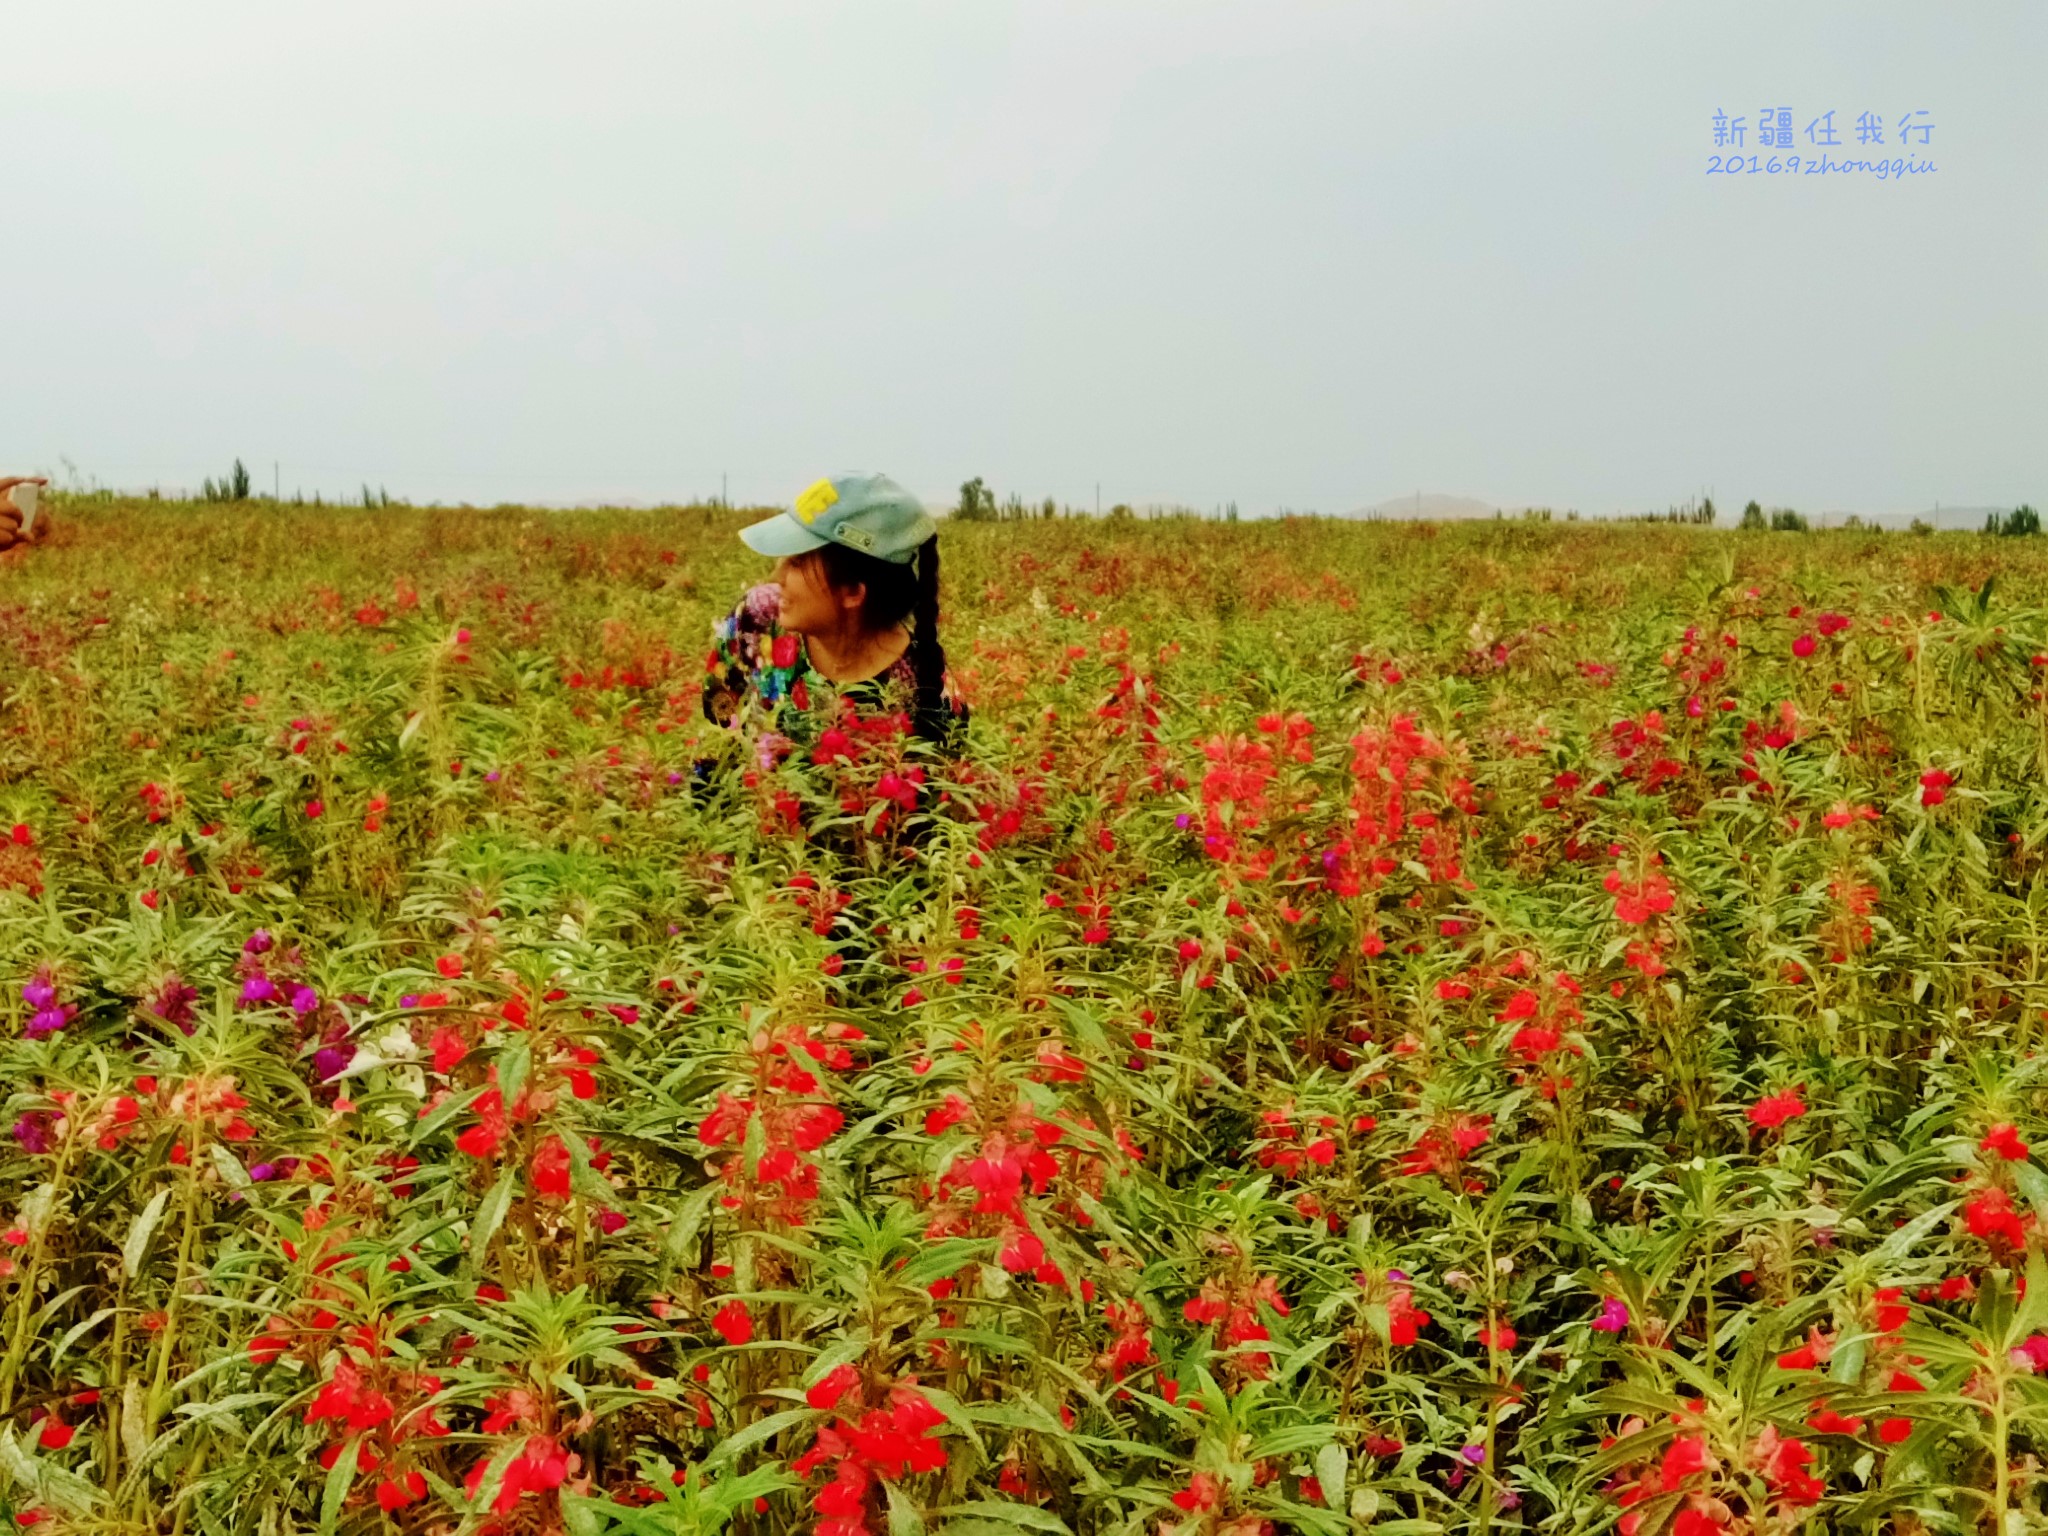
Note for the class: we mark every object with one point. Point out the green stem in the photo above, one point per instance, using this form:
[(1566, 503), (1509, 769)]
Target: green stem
[(160, 1375), (31, 1276), (1998, 1462)]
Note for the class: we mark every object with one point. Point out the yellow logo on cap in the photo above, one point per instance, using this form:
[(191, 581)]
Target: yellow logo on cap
[(815, 500)]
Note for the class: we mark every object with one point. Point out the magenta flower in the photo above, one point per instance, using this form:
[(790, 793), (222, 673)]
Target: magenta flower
[(258, 989), (47, 1021), (173, 1003), (1613, 1316)]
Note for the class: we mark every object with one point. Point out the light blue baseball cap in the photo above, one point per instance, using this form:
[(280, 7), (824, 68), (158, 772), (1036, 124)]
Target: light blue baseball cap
[(867, 512)]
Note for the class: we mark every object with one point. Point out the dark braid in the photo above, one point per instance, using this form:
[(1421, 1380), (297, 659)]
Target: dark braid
[(927, 655)]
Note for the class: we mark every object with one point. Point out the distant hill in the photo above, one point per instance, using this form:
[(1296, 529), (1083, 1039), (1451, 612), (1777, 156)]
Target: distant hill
[(1436, 507)]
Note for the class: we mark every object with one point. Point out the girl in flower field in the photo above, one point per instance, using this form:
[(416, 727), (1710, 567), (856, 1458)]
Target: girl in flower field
[(838, 652), (857, 560)]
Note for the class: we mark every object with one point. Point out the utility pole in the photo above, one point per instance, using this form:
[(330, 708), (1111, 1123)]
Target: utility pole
[(1098, 498), (727, 505), (273, 479)]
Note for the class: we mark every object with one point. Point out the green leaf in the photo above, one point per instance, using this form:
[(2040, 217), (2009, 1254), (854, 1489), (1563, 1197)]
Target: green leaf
[(338, 1480), (1332, 1465), (1901, 1242), (136, 1244), (904, 1520), (490, 1215), (943, 1259), (1030, 1516), (230, 1168), (757, 1433), (2033, 1310)]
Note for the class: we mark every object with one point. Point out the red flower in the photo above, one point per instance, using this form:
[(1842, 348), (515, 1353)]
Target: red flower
[(1203, 1492), (449, 966), (393, 1494), (550, 1171), (734, 1323), (481, 1139), (833, 1385), (1825, 1421), (1775, 1109), (953, 1111), (1688, 1454), (1990, 1215), (1023, 1251), (2004, 1139)]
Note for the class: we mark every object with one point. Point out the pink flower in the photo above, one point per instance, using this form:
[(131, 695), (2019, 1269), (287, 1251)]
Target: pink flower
[(1613, 1316)]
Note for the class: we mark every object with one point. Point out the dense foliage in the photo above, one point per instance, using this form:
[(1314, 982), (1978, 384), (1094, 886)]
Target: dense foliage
[(1484, 1028)]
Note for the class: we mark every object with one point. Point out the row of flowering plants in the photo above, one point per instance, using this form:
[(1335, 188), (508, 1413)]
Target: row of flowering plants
[(1334, 1057)]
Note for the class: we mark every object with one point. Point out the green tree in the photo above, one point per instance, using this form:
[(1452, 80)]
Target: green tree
[(977, 503), (1785, 520), (233, 486), (1753, 517)]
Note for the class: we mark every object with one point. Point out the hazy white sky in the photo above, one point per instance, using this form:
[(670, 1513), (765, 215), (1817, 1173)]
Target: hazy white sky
[(1284, 253)]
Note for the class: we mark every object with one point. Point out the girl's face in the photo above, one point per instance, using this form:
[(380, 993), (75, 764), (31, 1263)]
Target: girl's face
[(809, 606)]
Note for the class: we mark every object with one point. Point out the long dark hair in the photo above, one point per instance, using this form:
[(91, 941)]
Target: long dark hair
[(896, 591)]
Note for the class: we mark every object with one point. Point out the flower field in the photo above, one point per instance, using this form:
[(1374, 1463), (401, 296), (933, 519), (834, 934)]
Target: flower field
[(1485, 1028)]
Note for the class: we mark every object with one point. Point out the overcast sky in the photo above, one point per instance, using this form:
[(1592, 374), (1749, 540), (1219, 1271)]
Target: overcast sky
[(1277, 252)]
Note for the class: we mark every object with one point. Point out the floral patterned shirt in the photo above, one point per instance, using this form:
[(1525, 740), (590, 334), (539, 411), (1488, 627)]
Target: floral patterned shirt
[(757, 667)]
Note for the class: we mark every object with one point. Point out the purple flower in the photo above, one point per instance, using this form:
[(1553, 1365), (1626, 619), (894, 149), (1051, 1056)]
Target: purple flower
[(1613, 1316), (258, 943), (263, 1172), (329, 1060), (47, 1021), (1476, 1454), (33, 1131), (39, 993), (1182, 820), (409, 1000), (173, 1003), (1398, 1274), (491, 777), (304, 999), (258, 989)]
